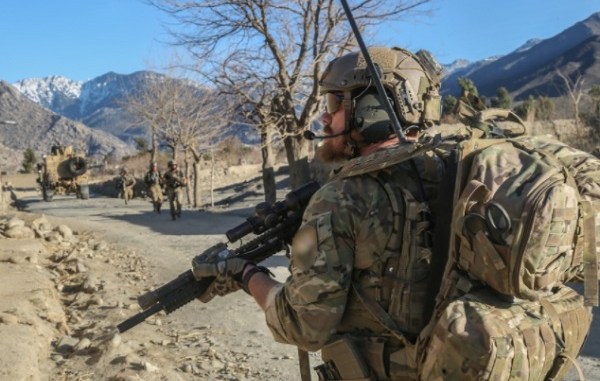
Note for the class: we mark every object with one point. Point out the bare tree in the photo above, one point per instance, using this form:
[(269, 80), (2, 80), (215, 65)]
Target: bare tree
[(148, 106), (270, 54), (574, 89), (194, 118), (181, 115)]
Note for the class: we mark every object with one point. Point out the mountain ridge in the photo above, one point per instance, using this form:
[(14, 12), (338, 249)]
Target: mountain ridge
[(38, 128)]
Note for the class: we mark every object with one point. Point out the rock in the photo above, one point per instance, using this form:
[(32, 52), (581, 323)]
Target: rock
[(80, 267), (54, 237), (66, 344), (7, 318), (14, 223), (21, 231), (91, 285), (149, 367), (100, 246), (84, 343), (33, 259), (64, 231), (41, 224)]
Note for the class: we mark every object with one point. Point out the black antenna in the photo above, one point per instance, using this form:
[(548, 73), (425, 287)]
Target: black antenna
[(374, 74)]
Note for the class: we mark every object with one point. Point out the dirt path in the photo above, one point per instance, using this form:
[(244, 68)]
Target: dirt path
[(225, 339)]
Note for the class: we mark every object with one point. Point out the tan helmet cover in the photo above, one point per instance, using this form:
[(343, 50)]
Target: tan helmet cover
[(413, 80)]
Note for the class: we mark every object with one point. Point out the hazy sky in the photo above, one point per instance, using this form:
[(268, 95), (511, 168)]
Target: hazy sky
[(82, 39)]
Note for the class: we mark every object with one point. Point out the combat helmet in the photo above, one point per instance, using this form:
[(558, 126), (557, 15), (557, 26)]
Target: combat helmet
[(412, 83), (171, 163)]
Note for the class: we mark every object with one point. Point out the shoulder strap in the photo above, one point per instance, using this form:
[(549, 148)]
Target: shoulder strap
[(379, 314)]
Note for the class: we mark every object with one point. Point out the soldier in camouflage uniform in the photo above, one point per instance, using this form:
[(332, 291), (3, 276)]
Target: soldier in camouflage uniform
[(125, 184), (154, 182), (175, 180), (360, 266)]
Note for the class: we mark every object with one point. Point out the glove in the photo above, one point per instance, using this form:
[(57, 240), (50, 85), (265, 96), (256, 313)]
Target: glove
[(227, 270)]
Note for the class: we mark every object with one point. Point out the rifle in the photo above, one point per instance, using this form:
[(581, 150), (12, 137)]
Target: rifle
[(274, 224)]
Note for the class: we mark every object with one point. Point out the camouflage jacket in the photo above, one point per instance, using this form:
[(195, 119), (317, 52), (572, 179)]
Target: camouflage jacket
[(153, 178), (174, 179), (352, 231), (125, 180)]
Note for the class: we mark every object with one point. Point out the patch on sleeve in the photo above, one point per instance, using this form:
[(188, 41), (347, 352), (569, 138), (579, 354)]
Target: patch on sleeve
[(310, 240), (304, 247)]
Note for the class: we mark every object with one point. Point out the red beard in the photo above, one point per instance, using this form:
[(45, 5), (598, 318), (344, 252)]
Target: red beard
[(333, 150)]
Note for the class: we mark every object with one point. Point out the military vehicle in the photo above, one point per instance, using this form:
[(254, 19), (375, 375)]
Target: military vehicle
[(63, 171)]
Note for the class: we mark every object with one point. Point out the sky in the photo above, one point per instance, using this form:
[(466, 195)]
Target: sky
[(82, 39)]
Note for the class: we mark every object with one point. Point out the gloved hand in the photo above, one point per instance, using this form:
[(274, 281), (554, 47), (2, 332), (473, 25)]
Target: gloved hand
[(227, 270)]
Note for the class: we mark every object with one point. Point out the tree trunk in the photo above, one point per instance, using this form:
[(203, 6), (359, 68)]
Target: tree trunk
[(212, 178), (268, 171), (197, 201), (187, 172), (154, 143), (175, 153), (296, 149)]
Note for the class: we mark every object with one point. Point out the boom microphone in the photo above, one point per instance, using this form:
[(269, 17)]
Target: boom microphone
[(309, 135)]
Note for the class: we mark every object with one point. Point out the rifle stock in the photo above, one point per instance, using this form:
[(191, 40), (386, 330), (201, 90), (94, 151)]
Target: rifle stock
[(275, 226)]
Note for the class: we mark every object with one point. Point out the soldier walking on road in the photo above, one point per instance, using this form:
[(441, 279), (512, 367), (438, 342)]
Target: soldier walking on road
[(154, 182), (125, 184), (175, 180)]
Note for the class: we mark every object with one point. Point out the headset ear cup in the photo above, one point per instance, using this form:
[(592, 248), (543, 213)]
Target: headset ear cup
[(370, 118)]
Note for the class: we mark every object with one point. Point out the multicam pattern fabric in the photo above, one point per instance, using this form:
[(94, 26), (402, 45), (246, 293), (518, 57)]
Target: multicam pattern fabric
[(477, 336), (516, 220), (354, 235), (482, 337), (585, 169), (315, 303)]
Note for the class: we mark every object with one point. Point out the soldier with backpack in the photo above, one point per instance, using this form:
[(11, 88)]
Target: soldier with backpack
[(175, 180), (443, 256), (154, 182), (124, 185), (361, 261)]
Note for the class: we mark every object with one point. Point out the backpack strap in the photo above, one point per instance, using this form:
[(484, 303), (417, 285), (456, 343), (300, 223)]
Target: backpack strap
[(379, 314), (590, 255)]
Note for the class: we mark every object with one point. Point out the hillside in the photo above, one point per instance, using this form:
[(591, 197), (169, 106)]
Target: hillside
[(574, 52), (38, 128)]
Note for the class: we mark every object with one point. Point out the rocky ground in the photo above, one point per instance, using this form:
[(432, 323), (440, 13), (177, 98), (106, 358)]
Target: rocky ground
[(71, 271)]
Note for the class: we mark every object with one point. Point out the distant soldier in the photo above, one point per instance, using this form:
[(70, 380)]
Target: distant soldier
[(175, 180), (125, 184), (154, 182), (41, 168)]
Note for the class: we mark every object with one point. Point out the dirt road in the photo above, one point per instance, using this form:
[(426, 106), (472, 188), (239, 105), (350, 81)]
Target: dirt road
[(224, 339)]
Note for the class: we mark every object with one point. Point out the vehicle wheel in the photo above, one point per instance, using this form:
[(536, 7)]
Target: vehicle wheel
[(77, 166), (84, 191)]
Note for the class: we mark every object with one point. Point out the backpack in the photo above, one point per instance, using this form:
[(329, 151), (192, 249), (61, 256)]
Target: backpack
[(525, 219), (524, 222), (483, 337)]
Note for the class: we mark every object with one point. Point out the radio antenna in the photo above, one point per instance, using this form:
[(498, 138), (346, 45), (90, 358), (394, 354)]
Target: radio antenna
[(374, 74)]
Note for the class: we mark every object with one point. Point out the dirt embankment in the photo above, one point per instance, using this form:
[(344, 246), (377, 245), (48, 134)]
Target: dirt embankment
[(64, 291), (65, 288)]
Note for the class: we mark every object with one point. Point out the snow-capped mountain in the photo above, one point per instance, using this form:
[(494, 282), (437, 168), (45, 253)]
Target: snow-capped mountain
[(38, 128), (55, 92)]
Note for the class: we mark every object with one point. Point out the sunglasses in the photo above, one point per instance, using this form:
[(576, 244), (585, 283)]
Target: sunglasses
[(333, 101)]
